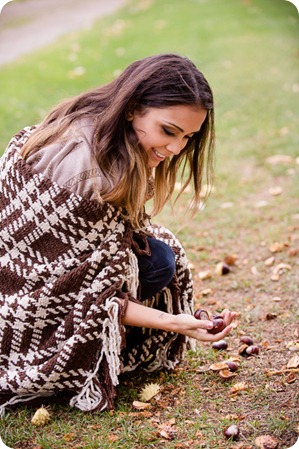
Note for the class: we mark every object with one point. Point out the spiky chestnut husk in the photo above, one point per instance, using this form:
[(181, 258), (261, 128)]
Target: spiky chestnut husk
[(40, 417), (149, 391)]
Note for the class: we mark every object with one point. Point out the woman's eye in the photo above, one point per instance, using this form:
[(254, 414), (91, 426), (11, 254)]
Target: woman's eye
[(168, 132)]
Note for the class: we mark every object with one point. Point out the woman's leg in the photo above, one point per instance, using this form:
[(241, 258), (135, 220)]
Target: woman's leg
[(156, 270)]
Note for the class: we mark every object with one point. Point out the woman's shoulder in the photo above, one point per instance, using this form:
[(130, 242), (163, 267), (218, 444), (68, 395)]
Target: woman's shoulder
[(69, 162)]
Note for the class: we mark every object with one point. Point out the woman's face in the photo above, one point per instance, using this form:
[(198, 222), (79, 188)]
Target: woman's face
[(165, 132)]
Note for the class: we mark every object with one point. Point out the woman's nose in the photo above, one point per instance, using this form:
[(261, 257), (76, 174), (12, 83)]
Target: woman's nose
[(175, 147)]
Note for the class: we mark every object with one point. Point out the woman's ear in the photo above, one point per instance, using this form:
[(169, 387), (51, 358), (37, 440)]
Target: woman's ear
[(129, 116)]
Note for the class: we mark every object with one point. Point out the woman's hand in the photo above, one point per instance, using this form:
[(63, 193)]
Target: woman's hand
[(188, 325), (142, 316)]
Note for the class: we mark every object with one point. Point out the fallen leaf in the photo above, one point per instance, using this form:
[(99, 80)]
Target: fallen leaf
[(293, 252), (275, 277), (292, 345), (276, 298), (275, 191), (205, 275), (271, 316), (141, 405), (280, 159), (293, 362), (277, 247), (270, 261), (226, 374), (230, 259), (240, 386), (69, 436), (112, 438), (281, 268), (266, 442), (206, 291), (218, 366), (167, 430), (291, 377), (261, 203)]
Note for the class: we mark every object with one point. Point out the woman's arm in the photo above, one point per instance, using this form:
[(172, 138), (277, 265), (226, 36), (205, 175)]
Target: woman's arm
[(141, 316)]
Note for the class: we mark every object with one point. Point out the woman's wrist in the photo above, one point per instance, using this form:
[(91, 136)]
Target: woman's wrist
[(143, 316)]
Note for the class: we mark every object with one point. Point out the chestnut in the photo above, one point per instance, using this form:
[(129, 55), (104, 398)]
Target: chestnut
[(247, 340), (222, 268), (233, 366), (220, 345), (217, 320), (218, 325), (201, 314), (232, 432), (252, 350)]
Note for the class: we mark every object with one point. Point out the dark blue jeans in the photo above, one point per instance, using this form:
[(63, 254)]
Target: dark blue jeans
[(156, 270)]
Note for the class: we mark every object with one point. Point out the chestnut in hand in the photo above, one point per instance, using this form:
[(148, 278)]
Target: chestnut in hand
[(201, 314), (217, 320), (218, 324)]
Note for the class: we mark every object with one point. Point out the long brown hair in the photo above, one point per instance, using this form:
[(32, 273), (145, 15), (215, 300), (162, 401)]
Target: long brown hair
[(154, 82)]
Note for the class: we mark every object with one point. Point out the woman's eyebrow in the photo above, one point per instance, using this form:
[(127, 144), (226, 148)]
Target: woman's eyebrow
[(173, 124), (176, 126)]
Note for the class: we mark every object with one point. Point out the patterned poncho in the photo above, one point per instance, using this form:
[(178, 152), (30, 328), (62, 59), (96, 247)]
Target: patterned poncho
[(68, 267)]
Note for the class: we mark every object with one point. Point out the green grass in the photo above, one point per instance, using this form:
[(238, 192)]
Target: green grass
[(248, 50)]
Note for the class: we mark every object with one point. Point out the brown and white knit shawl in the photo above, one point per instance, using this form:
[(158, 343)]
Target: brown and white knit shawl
[(67, 269)]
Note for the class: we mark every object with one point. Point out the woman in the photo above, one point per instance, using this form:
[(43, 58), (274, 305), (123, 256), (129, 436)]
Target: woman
[(89, 288)]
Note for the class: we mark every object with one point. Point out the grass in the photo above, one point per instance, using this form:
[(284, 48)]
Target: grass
[(248, 51)]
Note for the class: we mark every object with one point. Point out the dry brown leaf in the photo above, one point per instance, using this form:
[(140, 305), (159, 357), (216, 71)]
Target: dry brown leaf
[(234, 358), (293, 252), (206, 291), (275, 191), (293, 362), (230, 259), (266, 442), (281, 268), (240, 386), (293, 345), (275, 277), (207, 274), (291, 377), (69, 436), (141, 405), (112, 438), (218, 366), (277, 247), (226, 374), (270, 261), (167, 430), (280, 159)]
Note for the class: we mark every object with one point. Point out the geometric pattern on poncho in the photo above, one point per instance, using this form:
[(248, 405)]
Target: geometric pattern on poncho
[(67, 270)]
